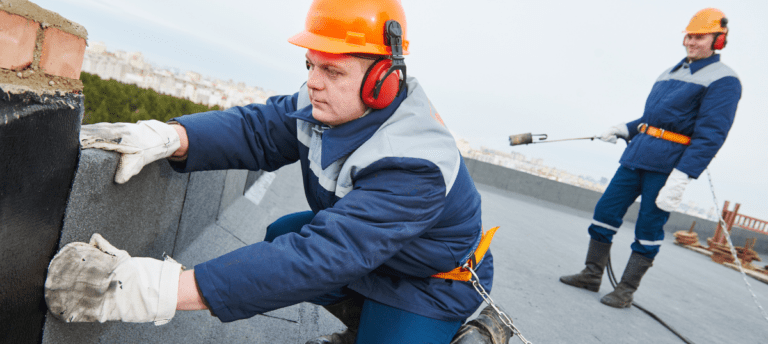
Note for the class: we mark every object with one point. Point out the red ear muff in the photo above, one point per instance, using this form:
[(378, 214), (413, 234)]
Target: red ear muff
[(389, 88), (719, 42)]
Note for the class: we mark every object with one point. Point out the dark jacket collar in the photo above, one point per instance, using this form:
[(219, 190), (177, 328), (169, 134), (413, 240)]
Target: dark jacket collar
[(698, 64), (343, 139)]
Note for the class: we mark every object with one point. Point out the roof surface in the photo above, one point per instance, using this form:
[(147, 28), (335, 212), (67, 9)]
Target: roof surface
[(538, 241)]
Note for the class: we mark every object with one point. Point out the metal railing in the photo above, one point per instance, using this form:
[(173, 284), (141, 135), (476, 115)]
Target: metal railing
[(751, 223), (732, 217)]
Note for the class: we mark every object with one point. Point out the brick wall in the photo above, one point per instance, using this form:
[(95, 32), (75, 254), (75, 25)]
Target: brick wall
[(39, 50)]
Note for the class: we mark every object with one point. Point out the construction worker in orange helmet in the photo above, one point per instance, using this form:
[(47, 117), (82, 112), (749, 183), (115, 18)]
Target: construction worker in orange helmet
[(687, 117), (394, 212)]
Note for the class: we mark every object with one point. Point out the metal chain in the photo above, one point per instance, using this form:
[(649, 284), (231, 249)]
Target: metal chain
[(733, 250), (504, 318)]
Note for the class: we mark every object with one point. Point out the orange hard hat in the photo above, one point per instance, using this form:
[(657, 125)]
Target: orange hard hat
[(708, 20), (350, 26)]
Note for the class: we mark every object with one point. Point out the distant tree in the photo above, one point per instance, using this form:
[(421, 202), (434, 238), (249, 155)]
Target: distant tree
[(111, 101)]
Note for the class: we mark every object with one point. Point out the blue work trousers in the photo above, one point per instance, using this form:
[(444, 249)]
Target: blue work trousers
[(627, 184), (379, 323)]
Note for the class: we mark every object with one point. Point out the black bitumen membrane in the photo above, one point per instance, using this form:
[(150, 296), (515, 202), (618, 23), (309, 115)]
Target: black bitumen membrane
[(38, 158), (538, 241)]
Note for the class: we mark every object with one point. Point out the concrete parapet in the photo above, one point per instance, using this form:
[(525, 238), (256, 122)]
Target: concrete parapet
[(156, 212), (193, 217), (234, 184), (585, 200), (141, 215), (201, 207), (208, 195)]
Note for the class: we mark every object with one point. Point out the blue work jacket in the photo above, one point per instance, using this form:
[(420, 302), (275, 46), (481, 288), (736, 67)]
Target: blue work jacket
[(697, 100), (393, 202)]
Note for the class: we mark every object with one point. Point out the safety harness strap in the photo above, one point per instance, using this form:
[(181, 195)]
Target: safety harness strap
[(462, 274), (663, 134)]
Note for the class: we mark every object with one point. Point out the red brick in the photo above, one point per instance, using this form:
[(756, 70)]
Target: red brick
[(62, 53), (17, 41)]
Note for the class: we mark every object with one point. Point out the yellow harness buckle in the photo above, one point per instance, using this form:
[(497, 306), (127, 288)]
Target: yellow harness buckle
[(462, 274)]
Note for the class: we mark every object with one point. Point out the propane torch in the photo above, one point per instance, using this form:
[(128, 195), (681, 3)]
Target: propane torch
[(527, 138)]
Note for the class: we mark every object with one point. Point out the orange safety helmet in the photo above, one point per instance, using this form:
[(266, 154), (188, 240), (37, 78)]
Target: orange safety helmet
[(340, 27), (708, 20)]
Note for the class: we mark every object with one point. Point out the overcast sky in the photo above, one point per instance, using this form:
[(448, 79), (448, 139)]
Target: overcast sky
[(492, 68)]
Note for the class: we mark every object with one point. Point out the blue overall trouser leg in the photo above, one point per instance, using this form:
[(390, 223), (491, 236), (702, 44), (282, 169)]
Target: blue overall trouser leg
[(379, 323), (627, 184)]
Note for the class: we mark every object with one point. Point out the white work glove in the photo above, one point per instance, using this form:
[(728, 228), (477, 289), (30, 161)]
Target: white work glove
[(97, 282), (671, 194), (614, 132), (139, 143)]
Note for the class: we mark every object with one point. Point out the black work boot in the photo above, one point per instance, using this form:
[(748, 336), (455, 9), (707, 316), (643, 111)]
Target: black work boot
[(348, 311), (487, 328), (592, 275), (621, 297)]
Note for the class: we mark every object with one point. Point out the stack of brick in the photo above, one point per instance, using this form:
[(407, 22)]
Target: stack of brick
[(39, 49)]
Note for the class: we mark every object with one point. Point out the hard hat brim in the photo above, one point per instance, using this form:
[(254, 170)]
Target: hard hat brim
[(703, 31), (331, 45)]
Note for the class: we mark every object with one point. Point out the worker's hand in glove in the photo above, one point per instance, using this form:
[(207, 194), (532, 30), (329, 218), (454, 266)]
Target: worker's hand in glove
[(671, 194), (97, 282), (614, 132), (139, 143)]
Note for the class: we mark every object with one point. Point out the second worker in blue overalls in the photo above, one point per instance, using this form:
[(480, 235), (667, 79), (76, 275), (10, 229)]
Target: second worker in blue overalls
[(687, 117)]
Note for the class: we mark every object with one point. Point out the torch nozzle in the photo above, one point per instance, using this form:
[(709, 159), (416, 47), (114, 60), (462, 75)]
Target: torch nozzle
[(524, 139)]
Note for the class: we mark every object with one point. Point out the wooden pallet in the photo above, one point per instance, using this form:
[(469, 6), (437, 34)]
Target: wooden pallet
[(754, 274)]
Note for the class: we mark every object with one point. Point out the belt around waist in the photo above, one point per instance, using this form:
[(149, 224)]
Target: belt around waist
[(664, 134)]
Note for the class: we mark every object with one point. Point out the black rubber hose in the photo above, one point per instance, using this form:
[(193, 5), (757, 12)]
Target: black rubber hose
[(612, 279)]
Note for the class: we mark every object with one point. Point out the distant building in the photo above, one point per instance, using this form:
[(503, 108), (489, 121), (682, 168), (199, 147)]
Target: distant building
[(130, 68), (96, 47)]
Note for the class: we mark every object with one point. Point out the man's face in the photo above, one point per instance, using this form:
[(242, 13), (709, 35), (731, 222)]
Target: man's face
[(334, 82), (698, 46)]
